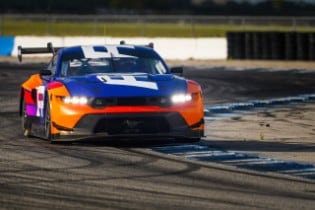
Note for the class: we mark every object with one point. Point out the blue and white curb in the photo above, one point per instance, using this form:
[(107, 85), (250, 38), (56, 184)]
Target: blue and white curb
[(232, 108), (204, 153)]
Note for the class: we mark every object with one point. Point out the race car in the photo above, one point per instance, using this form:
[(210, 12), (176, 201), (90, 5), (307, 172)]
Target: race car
[(121, 90)]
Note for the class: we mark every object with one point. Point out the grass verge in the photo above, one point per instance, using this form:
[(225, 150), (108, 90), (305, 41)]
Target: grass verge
[(12, 27)]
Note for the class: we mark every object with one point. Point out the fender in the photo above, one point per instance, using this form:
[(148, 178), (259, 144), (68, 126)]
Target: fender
[(33, 82), (21, 101)]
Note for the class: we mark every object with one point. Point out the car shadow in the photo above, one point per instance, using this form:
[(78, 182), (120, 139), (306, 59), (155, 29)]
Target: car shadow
[(225, 145), (129, 142)]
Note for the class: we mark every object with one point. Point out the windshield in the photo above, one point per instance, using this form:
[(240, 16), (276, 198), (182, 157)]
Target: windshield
[(83, 66)]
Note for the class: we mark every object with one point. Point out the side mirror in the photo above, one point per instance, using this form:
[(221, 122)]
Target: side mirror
[(177, 70), (45, 72)]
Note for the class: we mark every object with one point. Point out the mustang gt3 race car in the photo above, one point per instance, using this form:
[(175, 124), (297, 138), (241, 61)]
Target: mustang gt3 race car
[(120, 91)]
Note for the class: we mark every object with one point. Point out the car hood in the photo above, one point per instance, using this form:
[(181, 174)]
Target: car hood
[(125, 85)]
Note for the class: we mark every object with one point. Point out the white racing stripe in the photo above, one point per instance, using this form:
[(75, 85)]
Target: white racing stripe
[(89, 52), (112, 51), (128, 80), (115, 53)]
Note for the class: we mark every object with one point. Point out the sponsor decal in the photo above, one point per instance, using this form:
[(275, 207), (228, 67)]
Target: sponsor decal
[(40, 97)]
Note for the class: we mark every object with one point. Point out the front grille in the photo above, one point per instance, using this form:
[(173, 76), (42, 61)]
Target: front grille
[(132, 125), (131, 101)]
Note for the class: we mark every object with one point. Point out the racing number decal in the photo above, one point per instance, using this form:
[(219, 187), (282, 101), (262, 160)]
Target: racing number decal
[(89, 52), (40, 97), (109, 51), (128, 80)]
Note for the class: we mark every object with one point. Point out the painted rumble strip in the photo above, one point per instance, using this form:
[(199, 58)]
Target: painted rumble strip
[(232, 108), (203, 153)]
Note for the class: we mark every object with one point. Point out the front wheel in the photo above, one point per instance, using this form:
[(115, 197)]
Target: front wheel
[(47, 130), (25, 121)]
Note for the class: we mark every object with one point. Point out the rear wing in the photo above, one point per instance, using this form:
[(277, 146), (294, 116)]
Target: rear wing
[(53, 50), (37, 50), (150, 45)]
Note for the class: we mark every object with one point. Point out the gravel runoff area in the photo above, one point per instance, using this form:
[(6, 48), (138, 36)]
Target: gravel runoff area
[(284, 133)]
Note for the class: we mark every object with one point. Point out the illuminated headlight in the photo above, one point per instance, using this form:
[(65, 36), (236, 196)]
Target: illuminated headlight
[(75, 100), (181, 98)]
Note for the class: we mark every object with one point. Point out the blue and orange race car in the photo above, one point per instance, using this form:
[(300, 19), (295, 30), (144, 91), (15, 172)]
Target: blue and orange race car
[(120, 91)]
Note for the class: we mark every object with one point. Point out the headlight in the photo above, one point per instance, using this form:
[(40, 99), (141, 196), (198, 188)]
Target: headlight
[(75, 100), (181, 98)]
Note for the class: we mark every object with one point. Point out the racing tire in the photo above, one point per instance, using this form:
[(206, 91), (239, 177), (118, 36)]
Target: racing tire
[(47, 129), (25, 122)]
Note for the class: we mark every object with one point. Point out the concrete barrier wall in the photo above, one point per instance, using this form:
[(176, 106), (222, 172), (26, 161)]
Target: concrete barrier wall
[(168, 48)]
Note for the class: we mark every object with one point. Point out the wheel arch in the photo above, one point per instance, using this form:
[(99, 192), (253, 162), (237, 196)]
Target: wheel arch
[(21, 101)]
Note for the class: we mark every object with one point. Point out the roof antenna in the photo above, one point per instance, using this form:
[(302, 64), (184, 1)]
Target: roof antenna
[(51, 48), (151, 45)]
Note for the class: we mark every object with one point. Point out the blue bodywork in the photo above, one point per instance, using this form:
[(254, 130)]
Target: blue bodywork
[(113, 84), (110, 91), (90, 86)]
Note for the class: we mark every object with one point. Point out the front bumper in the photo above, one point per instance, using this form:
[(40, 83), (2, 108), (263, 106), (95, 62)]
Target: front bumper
[(129, 125)]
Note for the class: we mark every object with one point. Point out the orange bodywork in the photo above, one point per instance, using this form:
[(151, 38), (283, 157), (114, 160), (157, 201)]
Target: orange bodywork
[(68, 115), (33, 82), (27, 87), (122, 91)]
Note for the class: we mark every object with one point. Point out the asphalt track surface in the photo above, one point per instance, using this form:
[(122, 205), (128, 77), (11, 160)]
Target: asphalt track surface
[(128, 175)]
